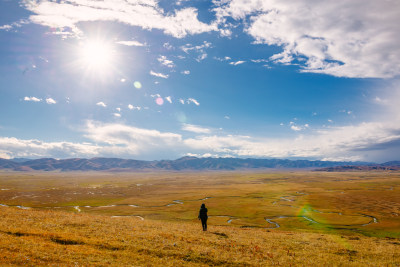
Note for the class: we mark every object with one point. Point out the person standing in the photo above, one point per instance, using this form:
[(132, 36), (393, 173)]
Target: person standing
[(203, 216)]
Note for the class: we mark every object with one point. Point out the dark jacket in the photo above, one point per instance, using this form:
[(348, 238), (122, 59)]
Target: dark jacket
[(203, 213)]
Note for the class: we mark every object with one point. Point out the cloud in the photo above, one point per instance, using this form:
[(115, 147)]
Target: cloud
[(131, 43), (32, 98), (234, 63), (166, 62), (117, 115), (132, 107), (181, 101), (169, 99), (146, 14), (201, 57), (130, 139), (367, 141), (17, 24), (50, 101), (340, 38), (158, 74), (185, 72), (11, 147), (168, 46), (259, 60), (195, 129), (295, 128), (222, 59), (194, 101), (198, 49), (101, 104)]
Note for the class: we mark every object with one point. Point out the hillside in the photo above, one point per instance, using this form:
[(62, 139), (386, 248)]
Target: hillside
[(185, 163), (30, 237)]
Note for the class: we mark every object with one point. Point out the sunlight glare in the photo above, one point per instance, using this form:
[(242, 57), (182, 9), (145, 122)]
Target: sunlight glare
[(96, 55)]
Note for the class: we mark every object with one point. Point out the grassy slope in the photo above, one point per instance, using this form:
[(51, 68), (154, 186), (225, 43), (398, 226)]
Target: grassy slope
[(63, 238)]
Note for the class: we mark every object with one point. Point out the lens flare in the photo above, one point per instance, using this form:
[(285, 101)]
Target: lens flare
[(137, 84), (159, 101)]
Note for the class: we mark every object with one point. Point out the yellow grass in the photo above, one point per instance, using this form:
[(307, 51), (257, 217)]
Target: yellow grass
[(334, 219), (65, 239)]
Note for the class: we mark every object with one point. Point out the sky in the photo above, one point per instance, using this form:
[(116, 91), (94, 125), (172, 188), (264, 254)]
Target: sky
[(163, 79)]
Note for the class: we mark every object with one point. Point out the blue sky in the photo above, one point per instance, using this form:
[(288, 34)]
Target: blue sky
[(148, 79)]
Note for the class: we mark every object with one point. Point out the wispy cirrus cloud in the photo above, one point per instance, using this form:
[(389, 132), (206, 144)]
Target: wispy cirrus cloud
[(131, 43), (194, 101), (362, 43), (235, 63), (195, 128), (197, 49), (159, 74), (146, 14)]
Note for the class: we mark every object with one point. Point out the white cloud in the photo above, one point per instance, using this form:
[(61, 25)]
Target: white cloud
[(17, 24), (166, 62), (198, 49), (186, 72), (195, 129), (131, 139), (117, 115), (101, 104), (141, 13), (6, 27), (132, 107), (366, 141), (194, 101), (222, 59), (295, 128), (158, 74), (227, 117), (201, 57), (11, 147), (168, 46), (50, 101), (234, 63), (169, 99), (32, 98), (357, 38), (182, 101), (118, 109), (373, 141), (131, 43), (259, 60)]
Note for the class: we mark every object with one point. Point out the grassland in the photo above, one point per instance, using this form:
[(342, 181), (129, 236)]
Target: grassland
[(297, 218)]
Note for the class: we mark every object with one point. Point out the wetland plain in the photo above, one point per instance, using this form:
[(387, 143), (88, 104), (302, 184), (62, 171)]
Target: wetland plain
[(361, 202)]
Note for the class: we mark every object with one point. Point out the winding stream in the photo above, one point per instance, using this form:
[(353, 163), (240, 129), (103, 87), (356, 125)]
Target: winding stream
[(270, 220)]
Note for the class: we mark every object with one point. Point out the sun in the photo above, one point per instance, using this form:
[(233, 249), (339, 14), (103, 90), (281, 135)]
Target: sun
[(96, 55)]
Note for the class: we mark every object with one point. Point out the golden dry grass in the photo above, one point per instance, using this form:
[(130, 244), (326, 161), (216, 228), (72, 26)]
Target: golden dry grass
[(60, 238), (334, 219)]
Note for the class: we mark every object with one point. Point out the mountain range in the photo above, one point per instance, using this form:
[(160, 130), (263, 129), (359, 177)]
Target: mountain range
[(185, 163)]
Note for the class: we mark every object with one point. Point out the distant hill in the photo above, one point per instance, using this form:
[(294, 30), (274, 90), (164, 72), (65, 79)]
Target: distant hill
[(185, 163), (387, 166)]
